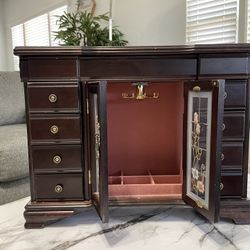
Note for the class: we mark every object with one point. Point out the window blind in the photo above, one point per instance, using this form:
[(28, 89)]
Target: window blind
[(53, 26), (212, 21), (17, 40), (38, 31)]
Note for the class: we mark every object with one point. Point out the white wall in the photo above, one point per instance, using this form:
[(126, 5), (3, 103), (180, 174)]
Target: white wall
[(3, 64), (147, 22), (242, 34)]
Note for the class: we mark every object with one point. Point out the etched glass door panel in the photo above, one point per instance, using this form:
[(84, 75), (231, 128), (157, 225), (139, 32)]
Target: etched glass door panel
[(202, 146), (198, 146), (97, 126), (95, 141)]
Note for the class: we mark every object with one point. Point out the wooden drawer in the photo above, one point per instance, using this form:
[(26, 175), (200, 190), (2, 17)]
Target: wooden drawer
[(183, 67), (232, 185), (219, 65), (235, 94), (53, 98), (52, 67), (234, 125), (57, 158), (55, 128), (232, 156), (59, 187)]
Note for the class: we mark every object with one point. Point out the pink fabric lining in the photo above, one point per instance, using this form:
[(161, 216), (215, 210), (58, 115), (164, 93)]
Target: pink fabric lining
[(145, 141)]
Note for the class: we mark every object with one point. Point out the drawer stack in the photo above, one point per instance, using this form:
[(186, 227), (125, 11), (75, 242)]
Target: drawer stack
[(55, 140), (234, 136)]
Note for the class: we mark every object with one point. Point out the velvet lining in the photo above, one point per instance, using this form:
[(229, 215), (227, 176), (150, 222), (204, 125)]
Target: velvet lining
[(145, 141)]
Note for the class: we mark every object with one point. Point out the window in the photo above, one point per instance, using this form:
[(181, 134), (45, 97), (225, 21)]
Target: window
[(212, 21), (38, 31)]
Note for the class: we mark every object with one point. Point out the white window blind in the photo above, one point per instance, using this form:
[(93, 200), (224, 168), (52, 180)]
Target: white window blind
[(17, 40), (53, 26), (212, 21), (38, 31)]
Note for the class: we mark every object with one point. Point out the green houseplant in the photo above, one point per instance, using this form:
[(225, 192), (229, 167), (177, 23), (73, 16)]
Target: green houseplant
[(85, 29)]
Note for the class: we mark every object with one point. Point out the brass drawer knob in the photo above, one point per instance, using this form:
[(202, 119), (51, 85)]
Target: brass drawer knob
[(223, 126), (221, 186), (54, 129), (222, 156), (52, 98), (225, 95), (58, 188), (57, 159)]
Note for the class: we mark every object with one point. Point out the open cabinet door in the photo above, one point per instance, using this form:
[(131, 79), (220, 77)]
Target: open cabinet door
[(97, 132), (203, 120)]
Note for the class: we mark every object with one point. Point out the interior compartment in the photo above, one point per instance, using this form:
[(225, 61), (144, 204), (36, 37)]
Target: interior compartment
[(145, 142)]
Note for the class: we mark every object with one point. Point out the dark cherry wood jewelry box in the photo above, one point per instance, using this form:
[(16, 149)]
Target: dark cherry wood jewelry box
[(137, 125)]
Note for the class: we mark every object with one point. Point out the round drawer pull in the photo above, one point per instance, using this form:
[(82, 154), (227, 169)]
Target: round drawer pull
[(57, 159), (222, 156), (221, 186), (223, 126), (54, 129), (225, 95), (58, 189), (52, 98)]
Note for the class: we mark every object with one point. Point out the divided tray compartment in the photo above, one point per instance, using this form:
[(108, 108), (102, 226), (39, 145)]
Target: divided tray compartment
[(145, 187), (115, 180), (136, 180)]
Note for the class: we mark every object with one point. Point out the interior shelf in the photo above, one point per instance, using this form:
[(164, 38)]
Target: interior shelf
[(145, 187)]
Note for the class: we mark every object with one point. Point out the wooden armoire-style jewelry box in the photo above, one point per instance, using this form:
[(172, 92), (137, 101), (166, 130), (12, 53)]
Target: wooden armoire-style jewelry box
[(145, 125)]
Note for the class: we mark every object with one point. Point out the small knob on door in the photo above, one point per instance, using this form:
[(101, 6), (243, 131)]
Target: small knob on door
[(223, 126), (222, 156)]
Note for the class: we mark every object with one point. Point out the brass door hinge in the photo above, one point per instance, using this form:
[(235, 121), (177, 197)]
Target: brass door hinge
[(87, 106), (199, 204), (89, 176)]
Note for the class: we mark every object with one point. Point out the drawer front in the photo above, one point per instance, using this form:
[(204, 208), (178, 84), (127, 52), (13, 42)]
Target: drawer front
[(59, 187), (57, 158), (234, 125), (53, 98), (55, 128), (232, 185), (52, 68), (222, 65), (175, 67), (232, 156), (235, 94)]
